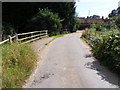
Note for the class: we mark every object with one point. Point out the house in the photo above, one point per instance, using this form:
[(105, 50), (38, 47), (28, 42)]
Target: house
[(91, 21)]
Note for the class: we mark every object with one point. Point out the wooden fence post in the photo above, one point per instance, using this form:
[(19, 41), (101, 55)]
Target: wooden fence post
[(40, 35), (10, 39), (31, 36), (16, 38), (46, 32)]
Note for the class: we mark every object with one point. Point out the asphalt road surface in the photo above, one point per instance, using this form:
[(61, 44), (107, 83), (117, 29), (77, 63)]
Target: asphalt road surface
[(68, 63)]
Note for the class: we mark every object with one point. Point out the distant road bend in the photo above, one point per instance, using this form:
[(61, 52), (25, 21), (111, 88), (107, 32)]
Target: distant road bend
[(67, 63)]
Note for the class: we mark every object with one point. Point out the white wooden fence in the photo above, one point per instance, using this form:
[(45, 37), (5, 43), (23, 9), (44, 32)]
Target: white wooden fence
[(26, 37)]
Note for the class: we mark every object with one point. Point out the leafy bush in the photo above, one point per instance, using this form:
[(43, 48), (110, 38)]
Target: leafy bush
[(7, 29), (99, 26), (75, 24), (46, 19), (18, 61), (106, 47), (83, 26), (108, 51), (93, 26), (117, 21)]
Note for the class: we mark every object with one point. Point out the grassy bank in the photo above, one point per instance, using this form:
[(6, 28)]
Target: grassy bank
[(18, 63)]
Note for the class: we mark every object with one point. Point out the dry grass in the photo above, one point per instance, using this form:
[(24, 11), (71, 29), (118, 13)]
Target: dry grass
[(18, 63)]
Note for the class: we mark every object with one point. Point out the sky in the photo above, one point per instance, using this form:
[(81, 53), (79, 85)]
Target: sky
[(95, 7)]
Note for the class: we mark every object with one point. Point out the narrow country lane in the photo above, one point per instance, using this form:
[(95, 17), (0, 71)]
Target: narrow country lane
[(67, 63)]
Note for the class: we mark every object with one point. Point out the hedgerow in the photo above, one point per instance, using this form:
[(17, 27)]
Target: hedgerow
[(106, 47)]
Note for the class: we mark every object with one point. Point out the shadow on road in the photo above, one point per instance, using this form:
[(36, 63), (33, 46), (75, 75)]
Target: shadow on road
[(103, 72)]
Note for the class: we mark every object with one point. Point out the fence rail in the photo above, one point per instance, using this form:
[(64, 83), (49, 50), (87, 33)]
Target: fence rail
[(26, 37), (4, 41)]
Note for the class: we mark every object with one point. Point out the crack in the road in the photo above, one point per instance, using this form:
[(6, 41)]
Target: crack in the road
[(42, 78)]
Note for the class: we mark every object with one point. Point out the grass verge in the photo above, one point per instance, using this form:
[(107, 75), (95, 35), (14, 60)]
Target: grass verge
[(18, 61), (58, 36)]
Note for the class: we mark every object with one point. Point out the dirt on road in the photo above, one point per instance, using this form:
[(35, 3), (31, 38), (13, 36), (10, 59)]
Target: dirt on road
[(68, 63)]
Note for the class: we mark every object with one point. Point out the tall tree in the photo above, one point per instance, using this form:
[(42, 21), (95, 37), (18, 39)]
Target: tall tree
[(18, 14)]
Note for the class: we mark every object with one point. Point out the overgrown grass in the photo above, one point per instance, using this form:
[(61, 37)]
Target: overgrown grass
[(18, 61)]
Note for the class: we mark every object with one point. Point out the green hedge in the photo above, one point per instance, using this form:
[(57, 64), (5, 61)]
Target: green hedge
[(83, 26), (108, 51), (106, 47)]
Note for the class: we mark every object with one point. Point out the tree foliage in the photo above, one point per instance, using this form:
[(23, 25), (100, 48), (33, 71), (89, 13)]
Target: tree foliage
[(18, 14), (45, 20), (7, 29)]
